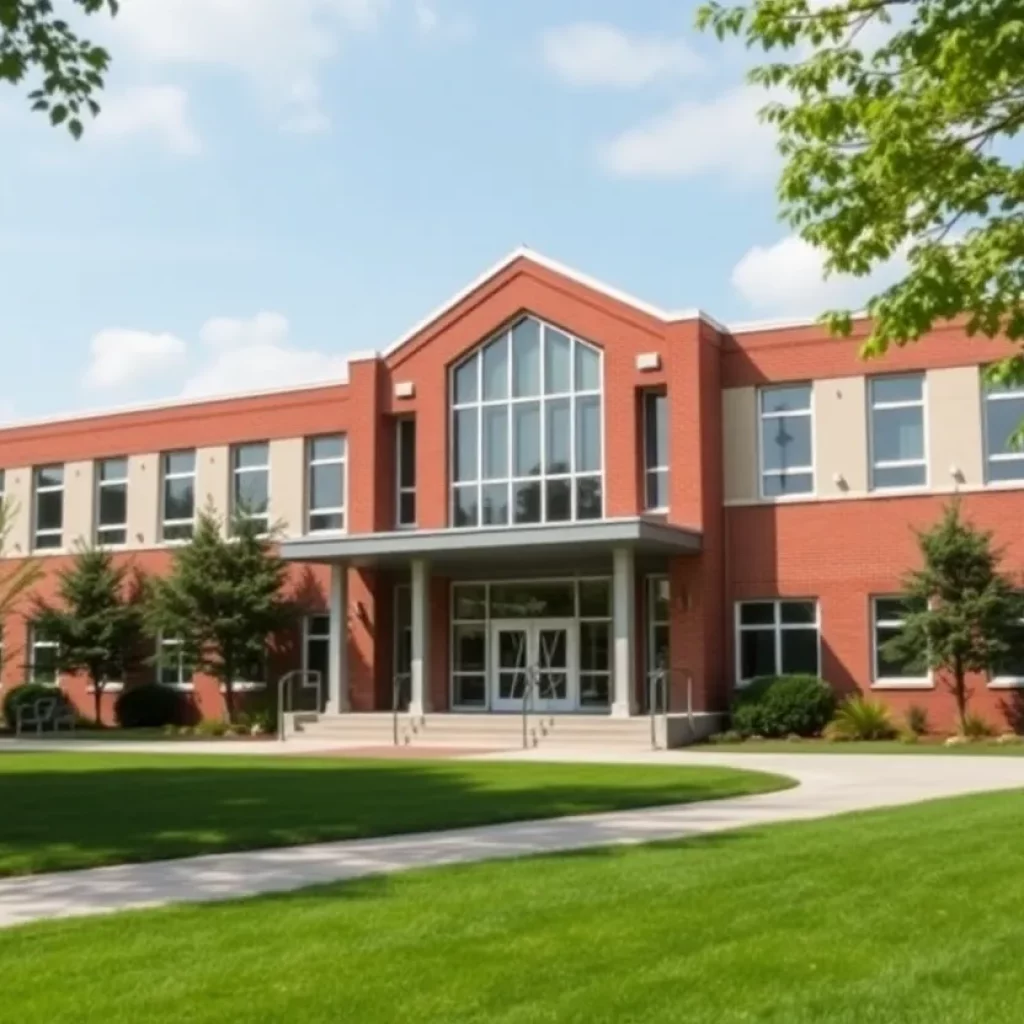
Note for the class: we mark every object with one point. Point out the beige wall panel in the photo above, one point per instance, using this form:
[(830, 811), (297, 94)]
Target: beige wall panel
[(79, 499), (143, 500), (213, 481), (840, 437), (953, 399), (739, 443), (287, 490), (18, 491)]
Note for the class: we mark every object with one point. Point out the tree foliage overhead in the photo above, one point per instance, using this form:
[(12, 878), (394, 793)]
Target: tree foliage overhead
[(223, 599), (97, 622), (37, 41), (963, 615), (896, 120)]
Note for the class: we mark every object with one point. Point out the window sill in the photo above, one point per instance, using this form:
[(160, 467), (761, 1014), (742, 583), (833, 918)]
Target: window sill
[(180, 687), (110, 687), (242, 687), (1006, 683), (903, 684)]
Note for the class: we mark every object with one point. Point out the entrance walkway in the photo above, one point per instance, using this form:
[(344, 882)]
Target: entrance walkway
[(829, 784)]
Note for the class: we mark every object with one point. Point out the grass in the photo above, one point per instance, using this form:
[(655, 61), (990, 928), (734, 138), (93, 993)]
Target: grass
[(76, 810), (909, 916), (818, 746)]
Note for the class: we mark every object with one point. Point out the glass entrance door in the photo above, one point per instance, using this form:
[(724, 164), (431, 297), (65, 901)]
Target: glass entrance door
[(543, 650)]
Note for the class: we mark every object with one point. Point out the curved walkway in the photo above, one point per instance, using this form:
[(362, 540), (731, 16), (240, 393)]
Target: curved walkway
[(829, 784)]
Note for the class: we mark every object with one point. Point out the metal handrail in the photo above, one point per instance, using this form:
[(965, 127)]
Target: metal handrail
[(396, 700), (532, 687), (661, 678), (284, 683)]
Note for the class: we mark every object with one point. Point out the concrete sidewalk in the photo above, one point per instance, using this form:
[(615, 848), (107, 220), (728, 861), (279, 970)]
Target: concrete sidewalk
[(829, 784)]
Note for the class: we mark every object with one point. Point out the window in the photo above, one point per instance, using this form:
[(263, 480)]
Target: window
[(405, 459), (897, 431), (49, 506), (403, 644), (777, 638), (787, 463), (888, 615), (43, 657), (250, 490), (173, 668), (178, 470), (326, 484), (655, 451), (657, 623), (112, 501), (594, 601), (1004, 411), (469, 645), (527, 430)]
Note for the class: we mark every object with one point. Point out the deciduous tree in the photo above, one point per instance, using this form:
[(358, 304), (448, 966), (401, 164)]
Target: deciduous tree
[(896, 120)]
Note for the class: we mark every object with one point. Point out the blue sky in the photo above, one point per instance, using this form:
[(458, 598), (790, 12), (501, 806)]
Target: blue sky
[(272, 185)]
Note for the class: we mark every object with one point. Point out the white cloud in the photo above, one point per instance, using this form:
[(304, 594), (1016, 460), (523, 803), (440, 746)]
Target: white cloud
[(303, 114), (427, 18), (276, 44), (120, 357), (431, 24), (721, 136), (788, 279), (253, 354), (597, 54), (226, 332), (159, 111)]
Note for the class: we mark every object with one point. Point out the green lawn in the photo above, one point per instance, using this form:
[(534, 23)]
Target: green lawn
[(981, 749), (72, 810), (908, 916)]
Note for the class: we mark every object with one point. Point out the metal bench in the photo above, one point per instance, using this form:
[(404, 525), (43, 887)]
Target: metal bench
[(53, 712)]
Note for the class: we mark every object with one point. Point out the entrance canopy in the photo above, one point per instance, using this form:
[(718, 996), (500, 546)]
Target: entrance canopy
[(511, 544)]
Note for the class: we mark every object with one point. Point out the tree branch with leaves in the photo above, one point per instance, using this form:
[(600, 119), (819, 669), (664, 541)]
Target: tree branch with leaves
[(896, 120), (36, 41)]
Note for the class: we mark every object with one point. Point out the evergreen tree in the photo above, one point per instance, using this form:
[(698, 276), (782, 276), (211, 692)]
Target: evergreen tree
[(97, 623), (963, 614), (223, 599)]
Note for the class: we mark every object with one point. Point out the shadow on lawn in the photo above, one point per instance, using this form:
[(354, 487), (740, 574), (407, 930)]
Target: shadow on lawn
[(95, 814)]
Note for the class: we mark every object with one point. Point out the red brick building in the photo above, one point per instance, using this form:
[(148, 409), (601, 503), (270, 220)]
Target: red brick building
[(550, 480)]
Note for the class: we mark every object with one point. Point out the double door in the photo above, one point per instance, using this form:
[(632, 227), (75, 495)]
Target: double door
[(538, 652)]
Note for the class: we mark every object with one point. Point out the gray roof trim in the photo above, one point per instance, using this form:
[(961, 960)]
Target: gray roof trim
[(399, 544)]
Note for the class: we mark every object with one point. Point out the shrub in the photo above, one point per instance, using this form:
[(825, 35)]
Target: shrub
[(729, 736), (860, 719), (776, 706), (976, 728), (211, 727), (151, 706), (917, 720), (28, 693)]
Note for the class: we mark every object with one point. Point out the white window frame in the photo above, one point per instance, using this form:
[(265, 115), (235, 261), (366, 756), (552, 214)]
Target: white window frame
[(510, 480), (1000, 395), (34, 643), (57, 532), (401, 490), (925, 682), (789, 470), (334, 460), (1007, 682), (308, 635), (100, 485), (661, 468), (238, 471), (917, 403), (162, 644), (777, 626), (165, 476)]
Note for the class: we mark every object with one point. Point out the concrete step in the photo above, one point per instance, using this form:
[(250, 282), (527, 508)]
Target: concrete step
[(468, 730)]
